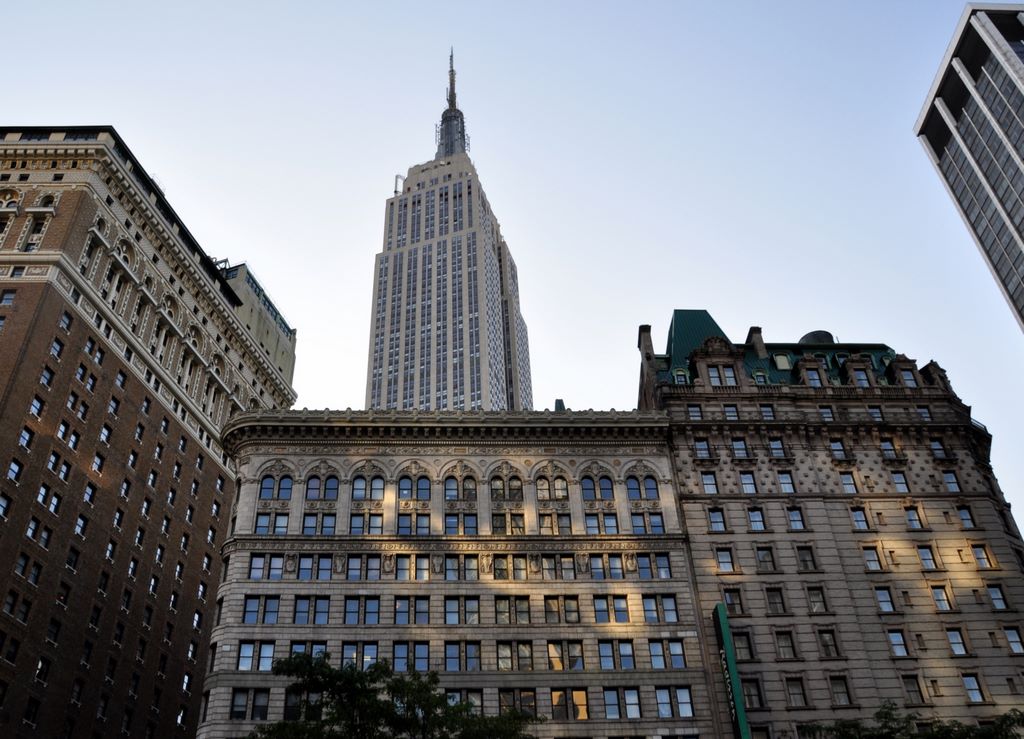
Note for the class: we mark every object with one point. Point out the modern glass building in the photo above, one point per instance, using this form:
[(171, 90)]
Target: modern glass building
[(446, 332), (972, 127)]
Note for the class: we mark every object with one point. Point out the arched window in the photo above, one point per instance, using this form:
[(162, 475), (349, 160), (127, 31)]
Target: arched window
[(267, 488), (284, 488), (313, 488), (405, 488), (46, 202), (632, 488), (543, 489), (650, 488), (423, 488), (497, 488), (331, 488), (515, 488), (587, 484), (469, 488), (359, 488), (607, 492), (561, 489), (377, 488), (451, 488)]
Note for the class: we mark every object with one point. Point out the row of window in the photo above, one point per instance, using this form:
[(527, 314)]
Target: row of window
[(458, 524), (461, 566), (755, 519), (563, 655), (414, 610), (724, 375), (501, 489), (748, 485), (766, 412), (572, 704), (776, 449)]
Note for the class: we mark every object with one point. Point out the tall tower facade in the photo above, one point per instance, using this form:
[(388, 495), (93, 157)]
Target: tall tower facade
[(972, 127), (123, 350), (447, 332)]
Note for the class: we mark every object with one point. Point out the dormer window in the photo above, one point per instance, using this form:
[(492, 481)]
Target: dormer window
[(860, 378), (908, 378), (782, 361), (724, 375), (814, 378)]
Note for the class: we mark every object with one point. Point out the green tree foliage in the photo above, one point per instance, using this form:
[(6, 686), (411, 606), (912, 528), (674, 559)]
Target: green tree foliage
[(376, 703), (890, 724)]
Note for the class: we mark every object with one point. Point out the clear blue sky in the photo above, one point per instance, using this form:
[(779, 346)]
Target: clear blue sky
[(755, 159)]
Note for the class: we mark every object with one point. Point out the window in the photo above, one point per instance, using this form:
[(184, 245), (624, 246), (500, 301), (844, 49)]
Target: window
[(716, 519), (1013, 639), (693, 412), (723, 556), (765, 559), (860, 519), (995, 594), (660, 609), (785, 647), (7, 297), (941, 597), (981, 556), (733, 599), (701, 450), (805, 559), (796, 519), (927, 557), (755, 519), (776, 448), (795, 695), (899, 481), (741, 643), (966, 517), (840, 690), (774, 601), (747, 483), (908, 378), (884, 597), (569, 704), (826, 413), (739, 449), (951, 482), (913, 518), (752, 697), (767, 412), (731, 413), (956, 642), (709, 483), (827, 644), (813, 377), (924, 413), (912, 687), (871, 559), (897, 643), (565, 655), (972, 686)]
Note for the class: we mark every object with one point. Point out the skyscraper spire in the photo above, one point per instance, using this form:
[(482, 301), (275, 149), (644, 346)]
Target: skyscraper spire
[(451, 134), (451, 80)]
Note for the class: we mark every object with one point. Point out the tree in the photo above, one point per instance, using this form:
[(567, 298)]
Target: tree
[(889, 724), (377, 703)]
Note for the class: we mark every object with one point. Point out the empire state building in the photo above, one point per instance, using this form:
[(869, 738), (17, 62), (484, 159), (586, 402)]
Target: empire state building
[(447, 332)]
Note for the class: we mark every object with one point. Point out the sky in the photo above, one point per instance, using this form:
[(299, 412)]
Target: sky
[(753, 159)]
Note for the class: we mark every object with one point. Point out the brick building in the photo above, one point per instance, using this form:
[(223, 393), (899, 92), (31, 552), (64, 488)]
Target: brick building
[(124, 350)]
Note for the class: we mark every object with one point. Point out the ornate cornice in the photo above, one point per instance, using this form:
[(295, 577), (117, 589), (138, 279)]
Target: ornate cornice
[(445, 428)]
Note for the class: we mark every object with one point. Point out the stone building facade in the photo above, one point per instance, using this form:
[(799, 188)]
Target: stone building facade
[(124, 350), (839, 500), (833, 502), (533, 560)]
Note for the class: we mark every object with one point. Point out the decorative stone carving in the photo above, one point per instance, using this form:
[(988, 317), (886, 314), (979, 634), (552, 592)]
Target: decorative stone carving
[(582, 562), (389, 563), (437, 564), (290, 561), (630, 561)]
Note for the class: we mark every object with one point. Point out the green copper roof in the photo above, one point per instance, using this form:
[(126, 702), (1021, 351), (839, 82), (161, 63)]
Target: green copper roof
[(688, 330), (691, 328)]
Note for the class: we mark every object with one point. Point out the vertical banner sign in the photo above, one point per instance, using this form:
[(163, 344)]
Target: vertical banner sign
[(733, 690)]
